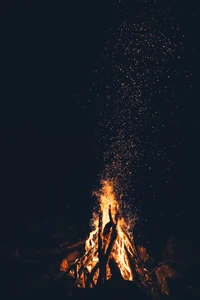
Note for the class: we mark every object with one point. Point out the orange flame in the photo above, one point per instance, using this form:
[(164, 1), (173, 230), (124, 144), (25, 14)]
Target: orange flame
[(64, 265), (110, 241), (108, 202)]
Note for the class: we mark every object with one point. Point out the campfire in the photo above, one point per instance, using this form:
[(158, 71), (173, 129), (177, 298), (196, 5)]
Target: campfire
[(110, 247)]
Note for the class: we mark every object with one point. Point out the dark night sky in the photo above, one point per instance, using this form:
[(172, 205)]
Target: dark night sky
[(48, 164)]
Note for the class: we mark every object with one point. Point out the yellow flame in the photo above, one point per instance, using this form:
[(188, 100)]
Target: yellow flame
[(108, 201), (109, 226)]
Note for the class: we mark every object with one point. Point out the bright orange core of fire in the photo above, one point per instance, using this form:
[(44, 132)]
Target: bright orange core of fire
[(110, 214)]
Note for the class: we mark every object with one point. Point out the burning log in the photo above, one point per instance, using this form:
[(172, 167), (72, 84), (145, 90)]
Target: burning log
[(109, 233), (100, 252)]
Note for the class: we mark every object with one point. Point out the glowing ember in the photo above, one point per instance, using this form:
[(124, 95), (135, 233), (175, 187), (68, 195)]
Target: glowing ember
[(64, 265)]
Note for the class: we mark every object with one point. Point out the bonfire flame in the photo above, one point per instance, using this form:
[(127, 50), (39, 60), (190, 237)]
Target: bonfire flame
[(105, 223), (109, 244)]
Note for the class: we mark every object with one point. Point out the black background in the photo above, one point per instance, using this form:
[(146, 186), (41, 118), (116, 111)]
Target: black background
[(47, 162)]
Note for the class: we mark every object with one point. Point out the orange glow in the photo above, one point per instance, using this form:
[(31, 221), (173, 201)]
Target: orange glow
[(64, 265), (110, 245), (107, 200)]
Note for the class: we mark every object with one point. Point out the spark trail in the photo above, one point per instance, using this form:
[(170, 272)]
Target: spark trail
[(139, 65)]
